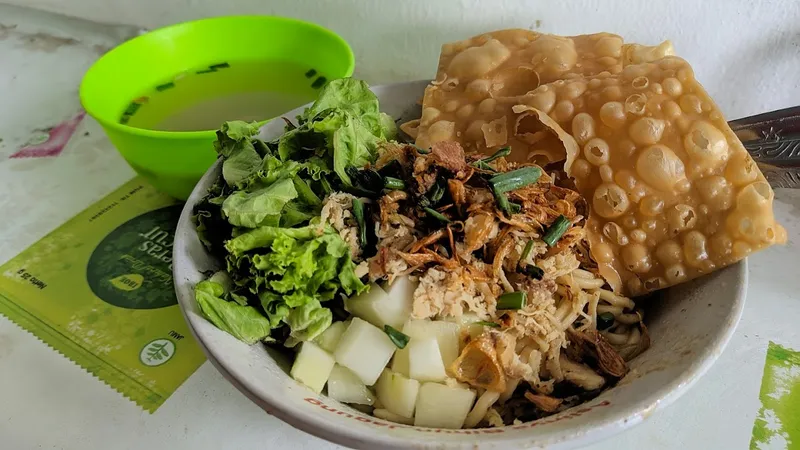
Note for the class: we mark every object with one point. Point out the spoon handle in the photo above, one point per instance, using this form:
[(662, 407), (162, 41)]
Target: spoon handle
[(773, 140)]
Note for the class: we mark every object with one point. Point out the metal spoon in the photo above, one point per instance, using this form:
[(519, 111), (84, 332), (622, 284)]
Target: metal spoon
[(773, 140)]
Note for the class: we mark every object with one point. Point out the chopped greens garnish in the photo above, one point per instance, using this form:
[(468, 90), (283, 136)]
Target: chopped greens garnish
[(483, 163), (533, 271), (515, 179), (502, 202), (393, 183), (367, 180), (131, 109), (165, 86), (436, 191), (556, 230), (512, 300), (358, 213), (527, 250), (319, 82), (514, 208), (399, 339), (605, 320), (436, 214), (487, 324)]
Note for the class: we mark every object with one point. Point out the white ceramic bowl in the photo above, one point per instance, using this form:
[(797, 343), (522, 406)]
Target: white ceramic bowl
[(689, 328)]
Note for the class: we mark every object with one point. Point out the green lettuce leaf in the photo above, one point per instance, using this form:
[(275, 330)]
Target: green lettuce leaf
[(231, 135), (354, 98), (295, 213), (274, 306), (264, 236), (351, 141), (308, 321), (245, 323), (243, 162), (260, 208)]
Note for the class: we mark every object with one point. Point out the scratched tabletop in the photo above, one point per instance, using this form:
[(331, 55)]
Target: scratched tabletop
[(748, 399)]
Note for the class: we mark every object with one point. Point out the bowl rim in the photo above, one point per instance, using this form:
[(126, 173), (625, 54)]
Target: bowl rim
[(88, 105), (622, 419)]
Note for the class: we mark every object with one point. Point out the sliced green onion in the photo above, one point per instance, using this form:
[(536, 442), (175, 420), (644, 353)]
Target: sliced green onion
[(436, 192), (502, 202), (423, 201), (319, 82), (393, 183), (503, 152), (533, 271), (165, 86), (483, 166), (512, 300), (514, 208), (556, 230), (436, 214), (131, 109), (487, 324), (399, 339), (605, 320), (358, 212), (422, 151), (527, 250), (515, 179)]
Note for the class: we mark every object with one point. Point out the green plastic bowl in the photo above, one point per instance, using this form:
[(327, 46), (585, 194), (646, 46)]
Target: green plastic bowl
[(174, 161)]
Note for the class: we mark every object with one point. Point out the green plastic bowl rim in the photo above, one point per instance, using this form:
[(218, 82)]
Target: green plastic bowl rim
[(204, 133)]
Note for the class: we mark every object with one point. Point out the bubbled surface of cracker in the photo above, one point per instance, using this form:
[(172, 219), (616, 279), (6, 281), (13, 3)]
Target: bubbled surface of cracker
[(480, 80), (673, 192)]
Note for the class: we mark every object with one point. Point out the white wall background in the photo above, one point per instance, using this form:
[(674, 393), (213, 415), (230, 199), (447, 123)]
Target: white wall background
[(746, 52)]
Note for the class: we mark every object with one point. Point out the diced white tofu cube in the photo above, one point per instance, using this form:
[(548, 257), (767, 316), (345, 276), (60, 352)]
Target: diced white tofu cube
[(329, 338), (402, 290), (400, 361), (312, 366), (379, 308), (347, 387), (397, 393), (365, 350), (440, 406), (425, 360), (446, 334), (385, 414)]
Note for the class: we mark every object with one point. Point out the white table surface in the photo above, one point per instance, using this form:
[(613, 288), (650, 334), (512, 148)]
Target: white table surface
[(46, 401)]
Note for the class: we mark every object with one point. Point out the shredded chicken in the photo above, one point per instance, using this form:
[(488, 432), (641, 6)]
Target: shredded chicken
[(448, 293), (448, 229), (338, 212)]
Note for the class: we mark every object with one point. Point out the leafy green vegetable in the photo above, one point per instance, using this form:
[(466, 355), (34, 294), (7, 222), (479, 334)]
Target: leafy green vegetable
[(354, 98), (309, 321), (245, 323), (259, 208), (262, 216), (231, 135), (264, 236), (242, 163)]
